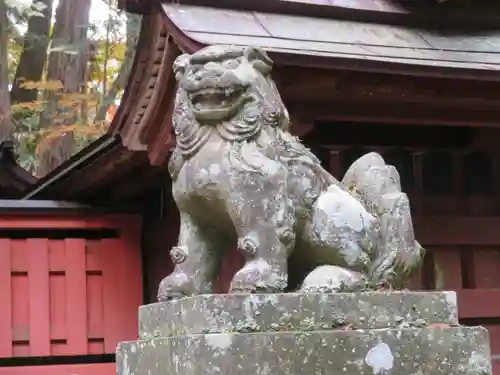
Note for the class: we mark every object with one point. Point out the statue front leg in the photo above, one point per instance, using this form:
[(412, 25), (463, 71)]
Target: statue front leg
[(264, 219), (195, 263)]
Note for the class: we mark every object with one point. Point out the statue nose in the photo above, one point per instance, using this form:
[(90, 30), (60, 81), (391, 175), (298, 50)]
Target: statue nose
[(215, 72), (213, 69), (208, 74)]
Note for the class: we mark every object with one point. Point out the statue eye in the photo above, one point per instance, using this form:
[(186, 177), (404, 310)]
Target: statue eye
[(231, 64)]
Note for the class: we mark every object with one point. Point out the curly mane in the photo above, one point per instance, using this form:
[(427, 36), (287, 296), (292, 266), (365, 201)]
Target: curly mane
[(262, 125)]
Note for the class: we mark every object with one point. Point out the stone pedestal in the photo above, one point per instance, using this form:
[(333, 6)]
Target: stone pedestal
[(396, 333)]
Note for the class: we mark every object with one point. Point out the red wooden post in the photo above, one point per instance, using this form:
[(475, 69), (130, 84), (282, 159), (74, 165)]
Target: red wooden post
[(111, 263), (5, 299), (57, 282), (95, 303), (484, 268), (39, 310), (76, 297), (20, 298), (447, 268)]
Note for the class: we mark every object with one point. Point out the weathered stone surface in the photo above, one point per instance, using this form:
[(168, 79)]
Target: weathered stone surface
[(370, 333), (409, 351), (239, 178), (296, 312)]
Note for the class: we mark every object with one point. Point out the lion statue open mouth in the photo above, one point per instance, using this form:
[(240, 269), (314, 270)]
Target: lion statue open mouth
[(241, 179)]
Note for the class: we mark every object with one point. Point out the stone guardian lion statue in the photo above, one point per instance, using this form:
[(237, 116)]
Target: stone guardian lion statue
[(241, 179)]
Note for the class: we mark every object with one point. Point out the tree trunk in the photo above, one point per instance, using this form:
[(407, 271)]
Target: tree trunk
[(34, 55), (5, 110), (133, 28), (68, 64)]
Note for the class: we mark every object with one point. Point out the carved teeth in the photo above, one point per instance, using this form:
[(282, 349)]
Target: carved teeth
[(212, 91)]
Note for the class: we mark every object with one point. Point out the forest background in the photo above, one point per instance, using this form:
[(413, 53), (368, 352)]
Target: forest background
[(63, 68)]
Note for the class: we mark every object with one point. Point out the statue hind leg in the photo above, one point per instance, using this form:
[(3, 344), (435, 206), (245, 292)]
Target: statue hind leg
[(378, 186)]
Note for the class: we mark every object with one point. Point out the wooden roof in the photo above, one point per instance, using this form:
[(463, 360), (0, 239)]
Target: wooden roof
[(426, 13), (329, 41), (344, 35)]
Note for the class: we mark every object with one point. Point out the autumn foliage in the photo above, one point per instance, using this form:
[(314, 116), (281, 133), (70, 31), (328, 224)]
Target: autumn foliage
[(65, 77)]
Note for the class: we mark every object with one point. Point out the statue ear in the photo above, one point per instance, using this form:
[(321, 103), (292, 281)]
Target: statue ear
[(259, 59), (180, 65)]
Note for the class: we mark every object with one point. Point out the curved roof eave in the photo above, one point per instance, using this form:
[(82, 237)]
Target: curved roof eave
[(339, 44), (142, 120)]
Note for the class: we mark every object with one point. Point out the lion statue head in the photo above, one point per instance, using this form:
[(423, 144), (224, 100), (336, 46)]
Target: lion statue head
[(227, 87), (220, 81)]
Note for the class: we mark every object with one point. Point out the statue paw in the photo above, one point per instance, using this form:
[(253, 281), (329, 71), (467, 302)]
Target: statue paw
[(260, 276), (174, 286), (333, 279)]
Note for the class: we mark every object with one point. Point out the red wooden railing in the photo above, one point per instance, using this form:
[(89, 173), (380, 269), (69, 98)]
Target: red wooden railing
[(82, 369), (70, 283)]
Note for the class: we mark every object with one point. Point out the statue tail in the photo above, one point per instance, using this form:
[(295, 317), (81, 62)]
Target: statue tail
[(397, 254)]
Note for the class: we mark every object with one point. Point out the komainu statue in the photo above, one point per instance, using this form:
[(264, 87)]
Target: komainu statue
[(241, 179)]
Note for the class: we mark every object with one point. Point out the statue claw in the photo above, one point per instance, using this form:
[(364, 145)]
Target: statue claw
[(259, 276), (169, 296), (174, 286)]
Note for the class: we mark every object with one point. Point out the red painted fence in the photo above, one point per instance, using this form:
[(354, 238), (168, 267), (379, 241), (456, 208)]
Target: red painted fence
[(71, 283), (87, 369)]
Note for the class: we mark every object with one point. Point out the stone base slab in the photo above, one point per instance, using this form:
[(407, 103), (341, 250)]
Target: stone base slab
[(372, 333), (392, 351), (295, 312)]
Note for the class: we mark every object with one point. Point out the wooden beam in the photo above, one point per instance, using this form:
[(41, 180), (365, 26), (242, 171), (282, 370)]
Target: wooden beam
[(395, 113), (457, 230), (323, 85)]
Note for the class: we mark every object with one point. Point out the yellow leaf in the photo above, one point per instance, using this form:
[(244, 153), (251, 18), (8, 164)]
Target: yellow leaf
[(53, 85)]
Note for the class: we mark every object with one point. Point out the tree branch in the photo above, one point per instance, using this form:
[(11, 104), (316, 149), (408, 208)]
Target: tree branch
[(133, 28)]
